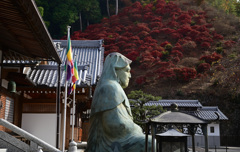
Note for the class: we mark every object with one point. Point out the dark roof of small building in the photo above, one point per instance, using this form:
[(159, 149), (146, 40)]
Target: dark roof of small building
[(210, 113), (205, 113), (180, 103), (89, 55)]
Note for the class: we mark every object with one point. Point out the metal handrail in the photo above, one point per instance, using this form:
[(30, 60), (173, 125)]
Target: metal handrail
[(28, 136)]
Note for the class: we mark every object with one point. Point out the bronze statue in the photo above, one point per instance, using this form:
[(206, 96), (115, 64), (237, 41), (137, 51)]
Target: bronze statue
[(112, 127)]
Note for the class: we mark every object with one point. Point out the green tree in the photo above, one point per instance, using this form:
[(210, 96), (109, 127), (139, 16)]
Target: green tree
[(90, 10), (142, 113), (61, 13), (227, 5), (237, 8)]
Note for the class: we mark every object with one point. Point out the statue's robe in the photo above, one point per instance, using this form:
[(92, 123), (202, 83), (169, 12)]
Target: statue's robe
[(112, 127)]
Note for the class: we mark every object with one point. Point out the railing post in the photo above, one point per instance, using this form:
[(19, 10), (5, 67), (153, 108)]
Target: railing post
[(72, 146), (33, 145), (39, 149)]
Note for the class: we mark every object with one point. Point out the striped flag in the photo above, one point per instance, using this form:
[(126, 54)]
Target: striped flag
[(69, 60), (74, 78), (75, 71)]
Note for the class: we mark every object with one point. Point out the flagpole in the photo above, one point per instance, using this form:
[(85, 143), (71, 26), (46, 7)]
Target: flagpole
[(73, 115), (65, 103), (73, 145), (73, 111)]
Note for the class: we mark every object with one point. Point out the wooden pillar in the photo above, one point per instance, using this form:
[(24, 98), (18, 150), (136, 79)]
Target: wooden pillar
[(205, 133), (61, 130), (192, 132), (17, 111), (153, 129), (68, 128), (193, 142), (58, 99)]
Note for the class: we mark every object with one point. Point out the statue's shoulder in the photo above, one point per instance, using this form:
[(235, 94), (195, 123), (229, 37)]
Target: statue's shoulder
[(110, 85), (108, 95)]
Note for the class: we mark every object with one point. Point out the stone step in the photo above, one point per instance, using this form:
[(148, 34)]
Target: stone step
[(3, 150)]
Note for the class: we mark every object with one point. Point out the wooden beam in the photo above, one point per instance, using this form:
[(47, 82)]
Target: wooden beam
[(39, 101)]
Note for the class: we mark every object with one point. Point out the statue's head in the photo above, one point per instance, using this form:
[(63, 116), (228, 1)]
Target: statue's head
[(124, 75), (117, 67)]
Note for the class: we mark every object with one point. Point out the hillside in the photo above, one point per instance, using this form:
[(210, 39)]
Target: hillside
[(180, 50), (168, 42)]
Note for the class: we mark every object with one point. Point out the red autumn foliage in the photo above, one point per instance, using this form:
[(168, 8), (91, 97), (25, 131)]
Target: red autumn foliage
[(132, 55), (167, 31), (156, 24), (184, 18), (136, 17), (141, 27), (176, 53), (203, 67), (229, 44), (184, 29), (141, 32), (141, 80), (217, 36), (211, 58), (176, 35), (156, 54), (191, 12), (148, 16), (166, 73), (164, 43), (175, 59), (185, 74), (205, 45), (148, 8), (173, 24)]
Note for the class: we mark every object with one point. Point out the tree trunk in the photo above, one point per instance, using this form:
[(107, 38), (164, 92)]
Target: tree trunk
[(108, 9), (116, 7), (80, 19)]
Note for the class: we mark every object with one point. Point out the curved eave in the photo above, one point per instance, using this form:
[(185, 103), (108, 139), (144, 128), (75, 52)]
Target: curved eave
[(170, 117), (23, 31)]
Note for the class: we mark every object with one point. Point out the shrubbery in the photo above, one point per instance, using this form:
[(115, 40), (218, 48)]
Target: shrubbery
[(158, 33)]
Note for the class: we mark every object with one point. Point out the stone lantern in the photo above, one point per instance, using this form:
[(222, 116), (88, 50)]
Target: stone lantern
[(185, 123), (171, 141)]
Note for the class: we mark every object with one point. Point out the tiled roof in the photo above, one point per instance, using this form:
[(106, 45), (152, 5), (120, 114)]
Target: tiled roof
[(46, 75), (205, 113), (180, 103), (209, 113), (89, 55), (85, 52)]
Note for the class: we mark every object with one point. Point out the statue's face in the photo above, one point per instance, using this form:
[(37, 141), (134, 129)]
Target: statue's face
[(124, 75)]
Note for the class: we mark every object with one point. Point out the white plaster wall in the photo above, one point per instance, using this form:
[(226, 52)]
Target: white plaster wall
[(42, 126), (216, 129)]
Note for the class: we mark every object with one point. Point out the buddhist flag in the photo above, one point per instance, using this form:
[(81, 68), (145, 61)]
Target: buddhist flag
[(69, 60), (75, 71), (74, 78)]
